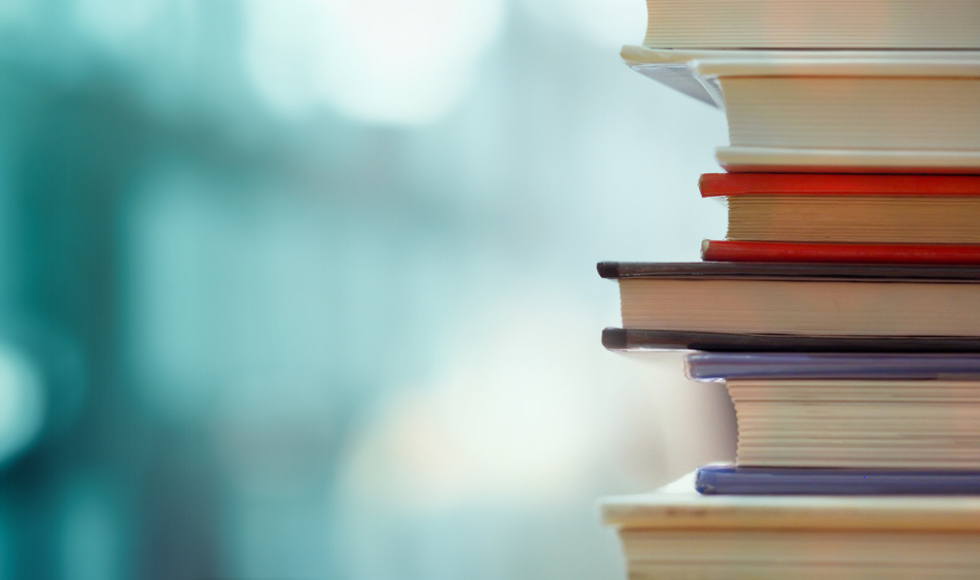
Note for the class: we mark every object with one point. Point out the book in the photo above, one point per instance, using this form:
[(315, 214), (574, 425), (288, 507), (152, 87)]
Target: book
[(677, 68), (858, 300), (849, 209), (715, 366), (677, 532), (807, 24), (747, 251), (622, 339), (732, 480), (857, 423), (833, 111), (802, 160), (843, 106)]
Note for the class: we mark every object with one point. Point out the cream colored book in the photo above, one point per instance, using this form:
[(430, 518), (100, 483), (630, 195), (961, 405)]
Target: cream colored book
[(868, 24), (675, 532), (855, 218), (859, 424), (831, 300), (856, 111)]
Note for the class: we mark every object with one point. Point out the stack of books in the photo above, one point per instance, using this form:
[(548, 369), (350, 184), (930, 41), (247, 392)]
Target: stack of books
[(842, 310)]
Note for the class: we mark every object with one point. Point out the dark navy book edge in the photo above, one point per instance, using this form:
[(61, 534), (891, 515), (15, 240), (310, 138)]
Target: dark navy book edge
[(629, 339), (789, 271)]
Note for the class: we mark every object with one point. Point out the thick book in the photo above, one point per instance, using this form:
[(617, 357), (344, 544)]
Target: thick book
[(809, 300), (838, 24), (676, 532), (732, 480), (854, 211), (720, 366), (836, 107), (839, 112), (857, 423)]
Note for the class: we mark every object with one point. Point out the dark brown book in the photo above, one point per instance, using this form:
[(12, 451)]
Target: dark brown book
[(788, 271)]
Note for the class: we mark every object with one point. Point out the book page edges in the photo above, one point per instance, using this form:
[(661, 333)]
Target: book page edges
[(770, 159), (833, 66), (668, 510)]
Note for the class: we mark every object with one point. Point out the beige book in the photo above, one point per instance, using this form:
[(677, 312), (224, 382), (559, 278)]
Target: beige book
[(871, 218), (839, 111), (677, 533), (868, 24)]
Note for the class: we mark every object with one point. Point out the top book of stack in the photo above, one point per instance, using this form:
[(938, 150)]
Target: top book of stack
[(859, 86), (818, 24)]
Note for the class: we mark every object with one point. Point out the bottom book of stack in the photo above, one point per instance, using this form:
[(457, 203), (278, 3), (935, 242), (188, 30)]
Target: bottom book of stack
[(676, 532)]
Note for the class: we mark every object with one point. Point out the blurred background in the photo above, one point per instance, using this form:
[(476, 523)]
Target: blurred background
[(307, 289)]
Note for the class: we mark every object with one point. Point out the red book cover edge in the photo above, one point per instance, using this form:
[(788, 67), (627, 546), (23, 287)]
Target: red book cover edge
[(739, 251), (725, 184)]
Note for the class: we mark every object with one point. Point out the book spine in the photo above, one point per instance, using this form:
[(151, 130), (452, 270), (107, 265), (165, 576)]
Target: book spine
[(938, 254)]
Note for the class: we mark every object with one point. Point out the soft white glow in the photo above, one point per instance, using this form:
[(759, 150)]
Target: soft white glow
[(385, 61), (513, 416), (21, 403)]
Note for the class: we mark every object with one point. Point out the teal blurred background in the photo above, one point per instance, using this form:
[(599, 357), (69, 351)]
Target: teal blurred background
[(306, 288)]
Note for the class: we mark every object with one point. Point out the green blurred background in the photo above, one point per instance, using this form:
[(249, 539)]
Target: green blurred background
[(306, 288)]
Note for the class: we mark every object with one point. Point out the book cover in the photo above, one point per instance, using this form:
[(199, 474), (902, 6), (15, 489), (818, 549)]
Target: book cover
[(811, 365), (679, 506), (727, 184), (731, 480), (785, 271), (621, 339), (752, 251)]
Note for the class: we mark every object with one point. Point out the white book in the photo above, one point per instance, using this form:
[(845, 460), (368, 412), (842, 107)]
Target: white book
[(857, 111), (786, 24), (675, 532), (859, 424)]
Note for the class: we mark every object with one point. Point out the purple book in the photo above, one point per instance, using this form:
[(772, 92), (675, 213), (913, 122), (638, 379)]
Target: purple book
[(880, 366), (731, 480)]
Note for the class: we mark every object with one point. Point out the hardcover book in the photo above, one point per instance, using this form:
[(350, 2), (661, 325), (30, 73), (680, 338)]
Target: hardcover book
[(810, 300), (849, 209), (834, 111), (676, 532), (851, 24)]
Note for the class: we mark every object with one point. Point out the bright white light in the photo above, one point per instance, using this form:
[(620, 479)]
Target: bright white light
[(21, 403), (514, 416), (385, 61)]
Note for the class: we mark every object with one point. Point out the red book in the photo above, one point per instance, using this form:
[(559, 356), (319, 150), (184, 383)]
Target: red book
[(737, 251), (907, 210), (725, 184)]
